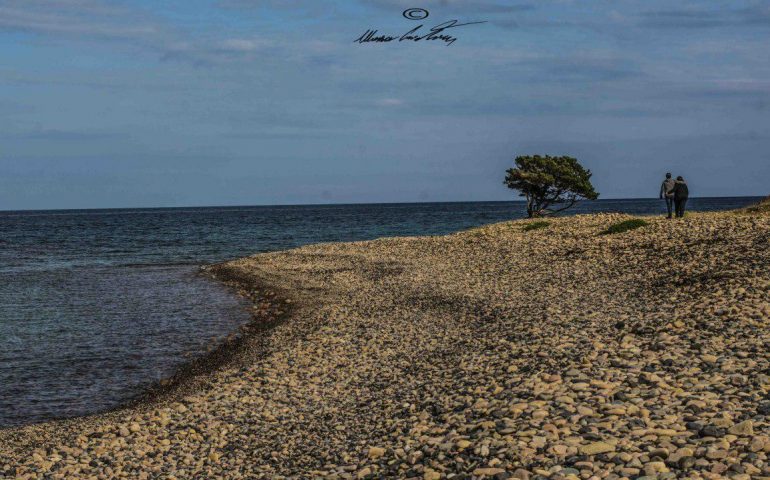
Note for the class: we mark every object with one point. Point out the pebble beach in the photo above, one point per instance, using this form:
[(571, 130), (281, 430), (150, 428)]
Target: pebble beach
[(499, 352)]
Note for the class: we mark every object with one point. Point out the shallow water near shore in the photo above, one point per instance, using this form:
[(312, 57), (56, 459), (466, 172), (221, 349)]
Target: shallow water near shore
[(97, 304)]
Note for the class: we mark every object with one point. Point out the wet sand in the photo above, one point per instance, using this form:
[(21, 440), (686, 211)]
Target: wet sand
[(491, 353)]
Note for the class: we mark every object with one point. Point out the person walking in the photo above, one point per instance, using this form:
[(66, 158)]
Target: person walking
[(667, 192), (681, 193)]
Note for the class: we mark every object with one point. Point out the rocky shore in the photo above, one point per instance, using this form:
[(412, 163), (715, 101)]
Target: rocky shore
[(497, 352)]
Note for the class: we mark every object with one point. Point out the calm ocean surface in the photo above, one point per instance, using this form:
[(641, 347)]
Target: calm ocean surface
[(97, 304)]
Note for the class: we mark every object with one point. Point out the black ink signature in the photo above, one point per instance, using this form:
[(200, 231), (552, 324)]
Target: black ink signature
[(436, 33)]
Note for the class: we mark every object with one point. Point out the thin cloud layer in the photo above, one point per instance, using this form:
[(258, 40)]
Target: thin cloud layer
[(708, 16), (265, 89), (77, 19), (457, 6)]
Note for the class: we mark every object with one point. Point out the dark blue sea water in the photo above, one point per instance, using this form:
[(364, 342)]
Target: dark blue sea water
[(97, 304)]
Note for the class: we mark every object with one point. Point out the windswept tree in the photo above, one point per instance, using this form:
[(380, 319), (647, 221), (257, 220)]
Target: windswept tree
[(550, 184)]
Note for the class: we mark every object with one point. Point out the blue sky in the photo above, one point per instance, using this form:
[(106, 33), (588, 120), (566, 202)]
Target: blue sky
[(242, 102)]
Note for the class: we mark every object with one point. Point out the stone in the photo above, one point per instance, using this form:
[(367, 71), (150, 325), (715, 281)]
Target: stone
[(661, 453), (596, 448), (757, 444), (712, 431), (488, 471), (716, 454), (585, 411), (745, 428), (364, 472), (521, 474), (376, 452), (653, 468), (430, 474), (560, 450), (709, 358), (463, 444)]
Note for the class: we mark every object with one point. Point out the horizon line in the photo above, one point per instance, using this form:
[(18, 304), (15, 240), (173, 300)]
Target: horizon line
[(333, 204)]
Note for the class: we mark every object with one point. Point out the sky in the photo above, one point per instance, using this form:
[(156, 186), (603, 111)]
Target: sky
[(138, 103)]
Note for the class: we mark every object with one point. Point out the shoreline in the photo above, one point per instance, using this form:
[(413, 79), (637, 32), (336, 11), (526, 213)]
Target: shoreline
[(492, 351), (240, 346)]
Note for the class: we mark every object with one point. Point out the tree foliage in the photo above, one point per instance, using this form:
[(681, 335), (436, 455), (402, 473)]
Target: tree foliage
[(549, 182)]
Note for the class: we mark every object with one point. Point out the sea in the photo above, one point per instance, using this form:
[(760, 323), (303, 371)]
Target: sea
[(98, 305)]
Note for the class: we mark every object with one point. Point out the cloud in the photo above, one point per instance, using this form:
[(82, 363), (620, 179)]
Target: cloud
[(694, 18), (243, 45), (302, 8), (95, 21), (455, 6), (8, 107), (69, 135), (389, 102), (753, 94), (77, 18), (578, 68)]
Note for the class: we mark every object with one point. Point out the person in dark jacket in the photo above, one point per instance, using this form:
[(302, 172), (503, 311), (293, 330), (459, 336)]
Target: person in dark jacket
[(681, 193), (667, 192)]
